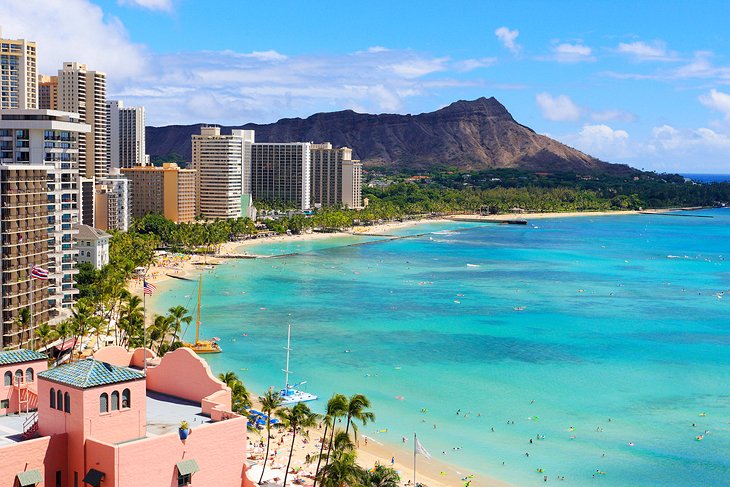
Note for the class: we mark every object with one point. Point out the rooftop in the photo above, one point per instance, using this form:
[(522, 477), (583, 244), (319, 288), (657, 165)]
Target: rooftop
[(19, 356), (90, 233), (164, 413), (90, 373)]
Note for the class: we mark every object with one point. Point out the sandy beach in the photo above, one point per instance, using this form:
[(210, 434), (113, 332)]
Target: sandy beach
[(431, 472)]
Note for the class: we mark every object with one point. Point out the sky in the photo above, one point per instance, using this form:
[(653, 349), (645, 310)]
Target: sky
[(645, 82)]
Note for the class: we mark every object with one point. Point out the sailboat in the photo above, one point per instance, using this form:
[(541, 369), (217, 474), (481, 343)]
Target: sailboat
[(202, 346), (290, 394)]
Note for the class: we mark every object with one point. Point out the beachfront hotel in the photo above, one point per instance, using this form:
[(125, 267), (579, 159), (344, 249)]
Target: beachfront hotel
[(281, 172), (335, 177), (93, 246), (39, 195), (18, 75), (113, 202), (168, 190), (83, 91), (221, 162), (126, 135), (103, 422), (47, 92)]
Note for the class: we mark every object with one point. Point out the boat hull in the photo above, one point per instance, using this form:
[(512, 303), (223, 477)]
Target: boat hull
[(294, 396)]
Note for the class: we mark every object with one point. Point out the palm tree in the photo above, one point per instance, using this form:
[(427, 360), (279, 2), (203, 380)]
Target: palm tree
[(66, 328), (23, 322), (178, 314), (382, 476), (356, 409), (228, 378), (270, 403), (45, 333), (80, 315), (298, 418), (336, 407), (343, 471)]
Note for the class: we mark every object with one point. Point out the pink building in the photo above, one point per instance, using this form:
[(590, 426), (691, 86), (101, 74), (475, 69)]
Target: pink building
[(102, 422)]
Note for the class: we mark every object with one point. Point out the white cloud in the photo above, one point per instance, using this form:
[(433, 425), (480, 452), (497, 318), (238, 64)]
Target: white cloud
[(376, 49), (472, 64), (163, 5), (73, 30), (717, 100), (557, 108), (601, 141), (611, 115), (572, 53), (641, 51), (417, 67), (507, 38)]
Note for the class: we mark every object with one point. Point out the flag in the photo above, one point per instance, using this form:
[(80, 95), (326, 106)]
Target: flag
[(38, 273), (420, 449), (149, 288)]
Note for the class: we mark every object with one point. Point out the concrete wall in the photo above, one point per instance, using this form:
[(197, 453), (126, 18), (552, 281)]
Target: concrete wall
[(199, 382), (47, 454), (11, 393)]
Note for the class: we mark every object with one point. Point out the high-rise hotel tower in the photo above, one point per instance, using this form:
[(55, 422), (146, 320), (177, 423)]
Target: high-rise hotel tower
[(18, 74)]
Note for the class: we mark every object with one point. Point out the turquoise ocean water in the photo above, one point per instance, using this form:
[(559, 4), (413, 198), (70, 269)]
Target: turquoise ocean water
[(617, 317)]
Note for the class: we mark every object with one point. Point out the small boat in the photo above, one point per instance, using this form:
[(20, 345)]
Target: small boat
[(202, 346), (519, 308), (290, 394)]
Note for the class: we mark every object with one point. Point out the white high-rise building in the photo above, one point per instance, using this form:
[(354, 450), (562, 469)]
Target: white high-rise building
[(113, 202), (125, 131), (18, 74), (219, 162), (47, 140), (83, 91), (336, 177), (281, 173)]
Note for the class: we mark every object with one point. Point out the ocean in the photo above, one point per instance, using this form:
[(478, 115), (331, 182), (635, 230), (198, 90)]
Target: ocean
[(708, 178), (607, 337)]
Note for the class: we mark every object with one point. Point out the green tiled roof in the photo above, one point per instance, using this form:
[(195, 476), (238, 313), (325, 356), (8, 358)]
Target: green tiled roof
[(19, 356), (187, 467), (89, 373)]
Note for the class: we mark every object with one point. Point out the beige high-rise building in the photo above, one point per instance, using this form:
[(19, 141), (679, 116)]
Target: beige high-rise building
[(83, 91), (18, 74), (126, 134), (336, 177), (40, 208), (221, 162), (168, 190), (113, 202), (47, 92)]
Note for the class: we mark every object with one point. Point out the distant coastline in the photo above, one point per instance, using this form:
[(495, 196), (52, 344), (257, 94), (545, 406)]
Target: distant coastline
[(707, 178)]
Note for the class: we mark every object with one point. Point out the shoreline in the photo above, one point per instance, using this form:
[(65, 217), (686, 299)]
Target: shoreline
[(432, 472)]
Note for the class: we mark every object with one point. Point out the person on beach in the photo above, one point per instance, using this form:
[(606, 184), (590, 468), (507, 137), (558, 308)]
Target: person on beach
[(392, 460)]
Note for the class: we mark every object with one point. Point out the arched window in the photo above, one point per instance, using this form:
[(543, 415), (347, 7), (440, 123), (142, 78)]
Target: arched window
[(8, 378), (126, 398), (59, 400), (18, 376), (67, 402), (104, 403), (115, 401), (29, 375), (53, 398), (88, 254)]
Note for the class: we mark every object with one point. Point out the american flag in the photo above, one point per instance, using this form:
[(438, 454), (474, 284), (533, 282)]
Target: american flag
[(149, 288), (39, 273)]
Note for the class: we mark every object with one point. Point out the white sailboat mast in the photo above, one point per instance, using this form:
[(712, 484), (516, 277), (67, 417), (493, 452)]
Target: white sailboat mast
[(288, 349)]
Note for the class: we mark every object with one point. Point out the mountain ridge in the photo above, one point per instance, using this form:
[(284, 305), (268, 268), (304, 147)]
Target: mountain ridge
[(466, 135)]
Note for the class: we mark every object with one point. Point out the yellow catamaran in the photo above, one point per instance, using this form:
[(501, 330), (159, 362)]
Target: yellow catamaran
[(202, 346)]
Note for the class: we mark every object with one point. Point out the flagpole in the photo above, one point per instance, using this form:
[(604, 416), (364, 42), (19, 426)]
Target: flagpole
[(32, 342), (144, 325), (414, 459)]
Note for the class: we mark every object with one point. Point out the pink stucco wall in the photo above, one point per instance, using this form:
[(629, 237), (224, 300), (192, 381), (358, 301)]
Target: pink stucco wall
[(47, 454), (218, 448), (10, 392), (183, 374)]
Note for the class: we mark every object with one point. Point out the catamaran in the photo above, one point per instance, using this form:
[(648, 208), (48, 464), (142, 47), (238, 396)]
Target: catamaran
[(202, 346), (290, 394)]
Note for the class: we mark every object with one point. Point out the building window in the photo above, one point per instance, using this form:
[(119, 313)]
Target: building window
[(5, 403), (8, 378), (115, 401), (29, 375), (59, 400), (59, 476), (104, 403), (126, 398), (18, 376), (53, 398), (67, 402), (88, 254), (185, 479)]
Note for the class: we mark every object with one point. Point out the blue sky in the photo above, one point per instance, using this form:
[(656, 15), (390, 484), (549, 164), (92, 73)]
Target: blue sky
[(641, 82)]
